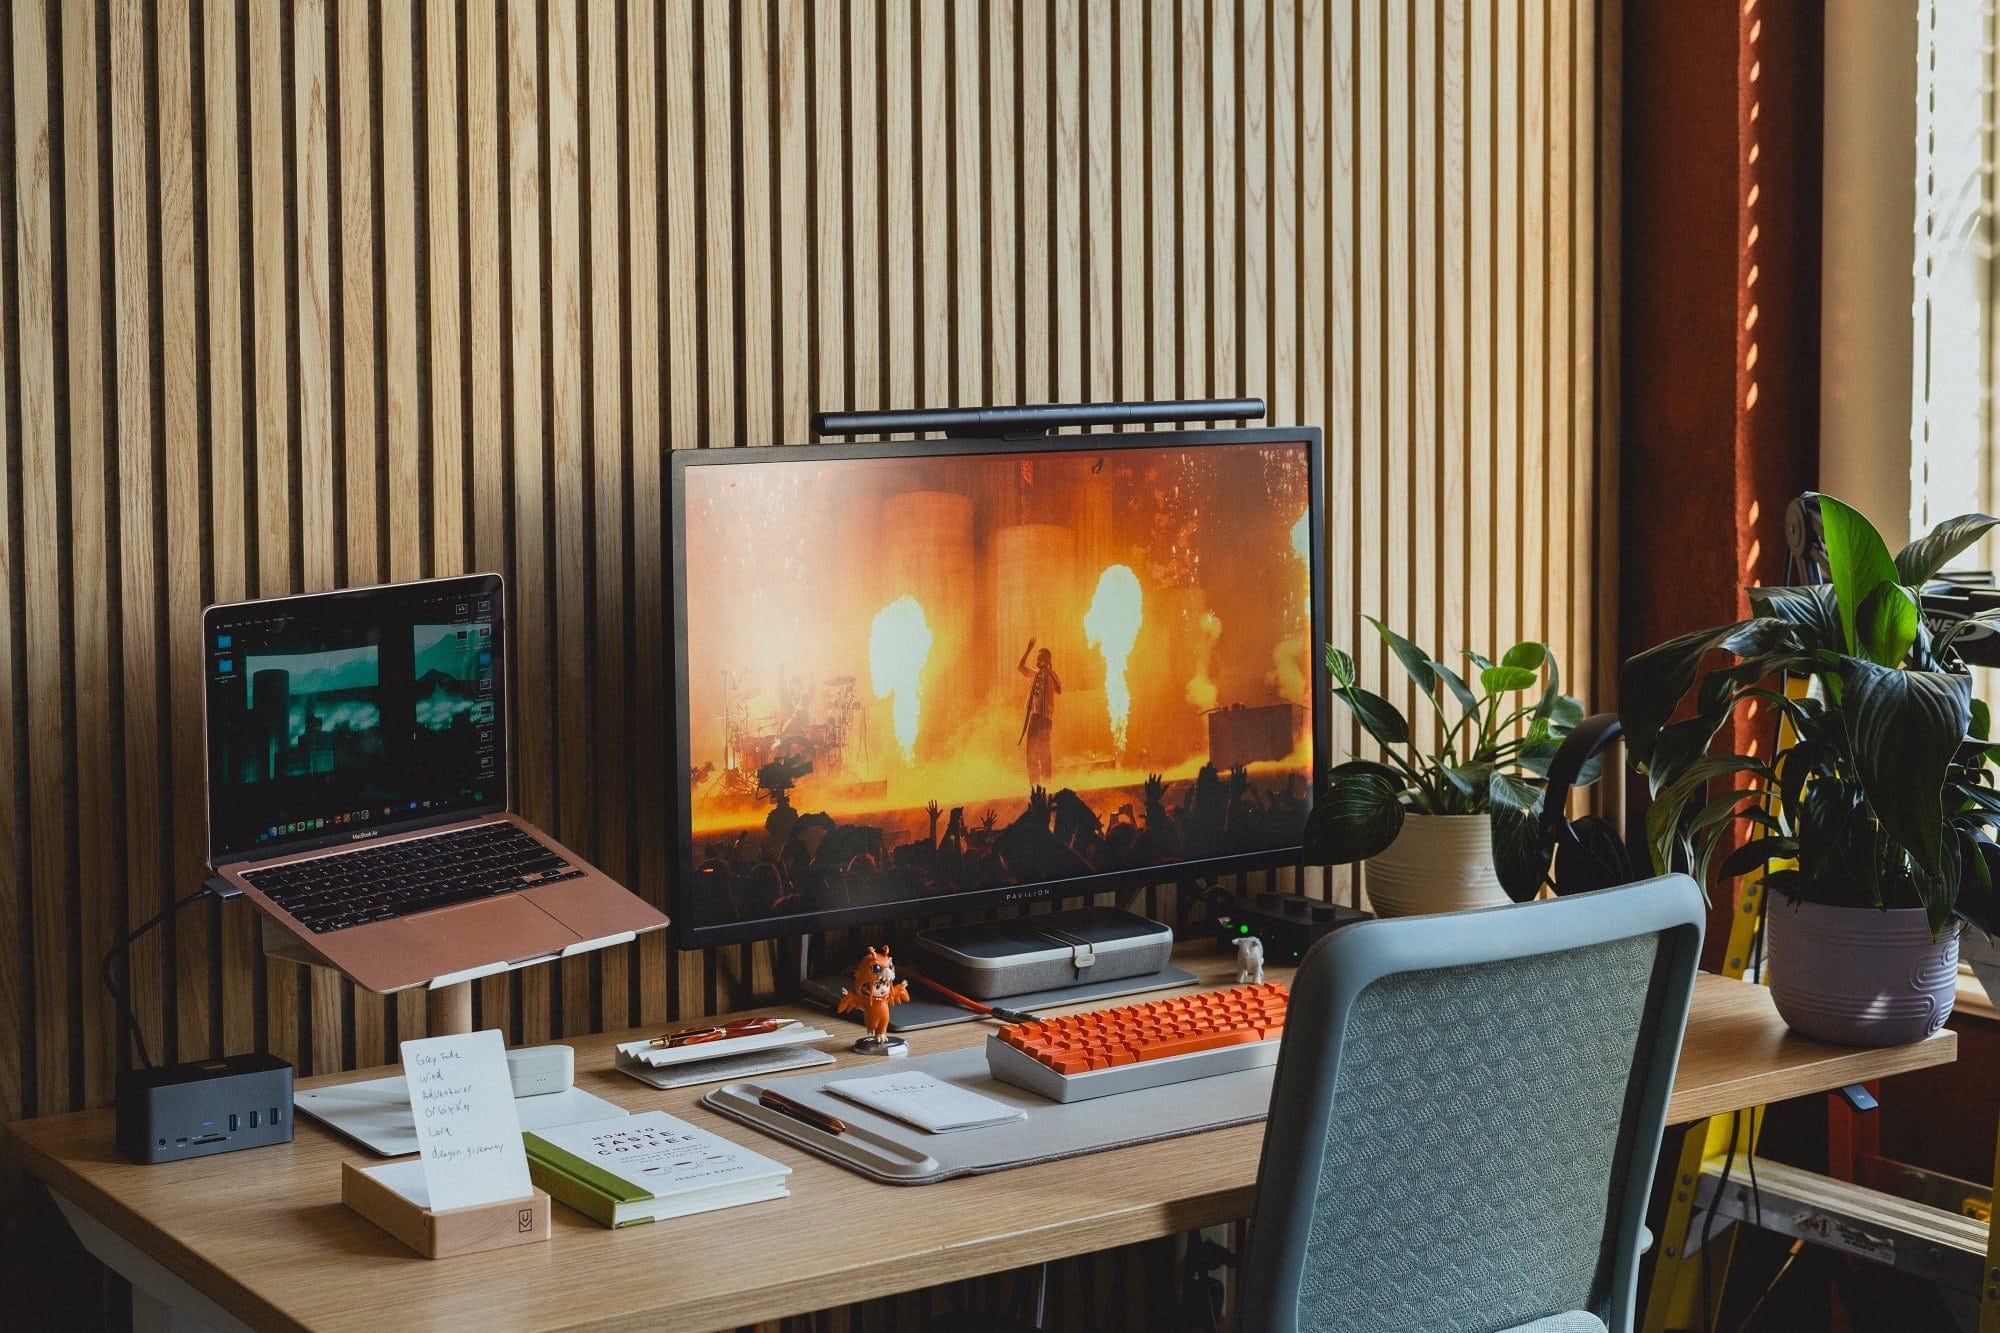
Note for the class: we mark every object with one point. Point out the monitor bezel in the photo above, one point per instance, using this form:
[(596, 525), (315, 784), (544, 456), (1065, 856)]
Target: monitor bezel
[(687, 934)]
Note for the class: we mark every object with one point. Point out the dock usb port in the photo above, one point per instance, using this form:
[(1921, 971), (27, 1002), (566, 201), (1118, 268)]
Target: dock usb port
[(233, 1122), (253, 1120)]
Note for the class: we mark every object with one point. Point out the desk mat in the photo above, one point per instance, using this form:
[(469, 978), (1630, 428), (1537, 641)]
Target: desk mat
[(888, 1150)]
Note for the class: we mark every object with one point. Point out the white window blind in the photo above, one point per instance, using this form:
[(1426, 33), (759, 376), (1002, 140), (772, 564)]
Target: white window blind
[(1955, 355)]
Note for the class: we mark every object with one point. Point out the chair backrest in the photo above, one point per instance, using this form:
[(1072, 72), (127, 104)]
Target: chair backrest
[(1467, 1114)]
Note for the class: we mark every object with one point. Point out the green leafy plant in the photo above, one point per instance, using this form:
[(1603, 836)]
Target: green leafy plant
[(1492, 758), (1882, 795)]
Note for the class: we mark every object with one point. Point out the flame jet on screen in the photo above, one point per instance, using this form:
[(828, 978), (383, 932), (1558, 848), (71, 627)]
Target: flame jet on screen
[(899, 643), (1112, 626)]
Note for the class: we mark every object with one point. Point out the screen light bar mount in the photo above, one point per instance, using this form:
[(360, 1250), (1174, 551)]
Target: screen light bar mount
[(1033, 419)]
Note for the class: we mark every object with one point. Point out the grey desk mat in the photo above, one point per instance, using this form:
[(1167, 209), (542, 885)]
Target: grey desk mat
[(888, 1150)]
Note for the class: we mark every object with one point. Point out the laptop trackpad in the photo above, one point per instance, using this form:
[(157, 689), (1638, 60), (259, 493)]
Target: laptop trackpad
[(595, 907), (500, 930)]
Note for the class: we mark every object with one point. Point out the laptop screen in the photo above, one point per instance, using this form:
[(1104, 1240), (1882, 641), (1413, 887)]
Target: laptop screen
[(334, 716)]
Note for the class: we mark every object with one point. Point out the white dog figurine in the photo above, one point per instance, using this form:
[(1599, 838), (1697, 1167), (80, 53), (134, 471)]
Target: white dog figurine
[(1249, 959)]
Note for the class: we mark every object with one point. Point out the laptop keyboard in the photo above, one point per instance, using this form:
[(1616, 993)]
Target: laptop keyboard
[(415, 875)]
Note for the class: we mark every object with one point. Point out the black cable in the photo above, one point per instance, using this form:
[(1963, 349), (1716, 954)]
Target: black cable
[(123, 950), (1708, 1306)]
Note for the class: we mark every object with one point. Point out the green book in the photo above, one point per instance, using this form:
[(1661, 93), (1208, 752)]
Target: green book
[(643, 1168)]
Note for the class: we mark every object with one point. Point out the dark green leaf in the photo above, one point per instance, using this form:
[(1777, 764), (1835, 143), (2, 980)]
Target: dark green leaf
[(1663, 819), (1378, 716), (1357, 816), (1477, 660), (1354, 767), (1414, 659), (1339, 665), (1453, 682), (1886, 624), (1563, 712), (1507, 679), (1858, 561), (1917, 562), (1527, 656), (1811, 608), (1982, 721), (1651, 684), (1469, 780), (1520, 855), (1903, 729), (1755, 855)]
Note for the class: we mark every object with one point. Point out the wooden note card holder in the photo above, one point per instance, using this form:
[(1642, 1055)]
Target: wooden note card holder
[(490, 1226)]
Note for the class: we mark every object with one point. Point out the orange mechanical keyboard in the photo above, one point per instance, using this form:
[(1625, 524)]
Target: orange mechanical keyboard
[(1141, 1045)]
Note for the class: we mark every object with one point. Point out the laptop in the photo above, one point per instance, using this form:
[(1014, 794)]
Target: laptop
[(358, 771)]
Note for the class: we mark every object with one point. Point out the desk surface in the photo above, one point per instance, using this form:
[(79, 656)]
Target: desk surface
[(265, 1236)]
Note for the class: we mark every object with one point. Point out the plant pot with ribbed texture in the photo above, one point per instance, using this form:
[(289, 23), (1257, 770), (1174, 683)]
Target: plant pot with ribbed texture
[(1859, 976), (1438, 863)]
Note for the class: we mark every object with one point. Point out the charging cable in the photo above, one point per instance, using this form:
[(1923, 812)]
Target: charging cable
[(122, 996)]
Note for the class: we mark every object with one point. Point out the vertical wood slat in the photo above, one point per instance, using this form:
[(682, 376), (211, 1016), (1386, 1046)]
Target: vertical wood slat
[(91, 572), (395, 291), (609, 471), (131, 285), (40, 547), (182, 493)]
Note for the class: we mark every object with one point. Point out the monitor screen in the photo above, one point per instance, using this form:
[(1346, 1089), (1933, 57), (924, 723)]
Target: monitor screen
[(336, 715), (931, 675)]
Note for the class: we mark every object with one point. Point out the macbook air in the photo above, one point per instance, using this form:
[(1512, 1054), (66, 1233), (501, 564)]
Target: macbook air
[(358, 765)]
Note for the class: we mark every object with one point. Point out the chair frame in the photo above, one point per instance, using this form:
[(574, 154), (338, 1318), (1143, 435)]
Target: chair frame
[(1335, 974)]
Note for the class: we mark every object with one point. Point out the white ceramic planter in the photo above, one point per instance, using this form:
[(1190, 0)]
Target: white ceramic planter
[(1438, 863), (1859, 976)]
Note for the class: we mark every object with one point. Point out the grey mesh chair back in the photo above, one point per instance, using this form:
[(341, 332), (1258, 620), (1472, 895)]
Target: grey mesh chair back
[(1467, 1115)]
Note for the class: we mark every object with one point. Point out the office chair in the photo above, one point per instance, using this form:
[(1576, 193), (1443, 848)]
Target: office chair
[(1467, 1114)]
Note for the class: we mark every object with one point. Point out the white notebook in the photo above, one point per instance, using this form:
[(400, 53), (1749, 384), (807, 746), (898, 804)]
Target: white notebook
[(930, 1104)]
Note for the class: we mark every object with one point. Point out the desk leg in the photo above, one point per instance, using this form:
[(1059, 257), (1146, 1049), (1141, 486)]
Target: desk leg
[(449, 1010), (161, 1301)]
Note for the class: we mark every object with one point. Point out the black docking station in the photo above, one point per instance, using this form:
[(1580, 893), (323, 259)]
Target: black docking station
[(203, 1107)]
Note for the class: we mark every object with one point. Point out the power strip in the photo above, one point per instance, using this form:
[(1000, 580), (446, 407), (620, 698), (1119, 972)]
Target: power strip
[(1287, 924)]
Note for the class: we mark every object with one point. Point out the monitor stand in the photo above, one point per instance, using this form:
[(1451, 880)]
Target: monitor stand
[(927, 1009), (921, 1011)]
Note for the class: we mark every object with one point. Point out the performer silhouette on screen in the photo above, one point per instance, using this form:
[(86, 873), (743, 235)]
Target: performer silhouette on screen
[(1041, 712)]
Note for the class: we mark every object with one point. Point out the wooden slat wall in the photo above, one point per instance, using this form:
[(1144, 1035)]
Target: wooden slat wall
[(316, 293)]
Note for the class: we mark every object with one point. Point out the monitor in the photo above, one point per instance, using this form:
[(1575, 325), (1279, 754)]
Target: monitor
[(935, 675), (336, 713)]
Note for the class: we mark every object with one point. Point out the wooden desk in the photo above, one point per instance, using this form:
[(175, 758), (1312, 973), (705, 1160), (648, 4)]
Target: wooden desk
[(263, 1234)]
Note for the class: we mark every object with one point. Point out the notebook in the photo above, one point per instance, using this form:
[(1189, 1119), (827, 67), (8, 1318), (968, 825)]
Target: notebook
[(933, 1106), (648, 1167)]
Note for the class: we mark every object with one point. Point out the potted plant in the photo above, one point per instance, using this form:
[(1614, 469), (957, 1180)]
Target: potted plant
[(1456, 826), (1877, 808)]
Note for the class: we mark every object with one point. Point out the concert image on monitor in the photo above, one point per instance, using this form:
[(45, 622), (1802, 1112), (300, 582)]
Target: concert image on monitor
[(916, 675)]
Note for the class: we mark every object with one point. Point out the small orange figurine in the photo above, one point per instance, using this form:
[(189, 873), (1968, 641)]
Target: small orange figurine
[(875, 988)]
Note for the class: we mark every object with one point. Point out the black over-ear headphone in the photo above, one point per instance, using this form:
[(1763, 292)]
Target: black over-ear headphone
[(1589, 852)]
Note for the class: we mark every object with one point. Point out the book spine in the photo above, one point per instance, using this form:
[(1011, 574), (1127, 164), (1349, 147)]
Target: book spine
[(566, 1189), (588, 1174)]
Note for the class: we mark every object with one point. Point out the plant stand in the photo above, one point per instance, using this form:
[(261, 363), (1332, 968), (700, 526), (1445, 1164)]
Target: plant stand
[(1866, 1206)]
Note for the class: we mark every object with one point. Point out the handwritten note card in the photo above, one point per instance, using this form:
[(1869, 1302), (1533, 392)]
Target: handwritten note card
[(467, 1129)]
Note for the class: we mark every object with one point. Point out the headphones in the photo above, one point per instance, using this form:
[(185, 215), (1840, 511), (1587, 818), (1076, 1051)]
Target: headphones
[(1589, 852)]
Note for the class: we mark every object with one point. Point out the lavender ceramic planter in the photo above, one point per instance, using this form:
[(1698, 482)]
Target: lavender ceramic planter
[(1859, 976)]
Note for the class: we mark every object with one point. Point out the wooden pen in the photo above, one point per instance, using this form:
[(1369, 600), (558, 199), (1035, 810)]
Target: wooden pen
[(783, 1105)]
